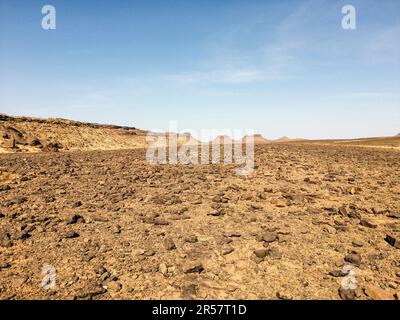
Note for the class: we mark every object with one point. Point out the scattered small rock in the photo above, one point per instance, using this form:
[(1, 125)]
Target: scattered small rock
[(5, 188), (353, 258), (376, 293), (163, 269), (4, 265), (232, 234), (71, 235), (149, 253), (269, 237), (394, 215), (191, 239), (116, 229), (160, 222), (338, 273), (347, 294), (392, 241), (76, 219), (261, 253), (368, 224), (357, 243), (216, 213), (169, 244), (192, 267), (227, 250), (76, 204), (114, 286), (189, 291), (90, 291)]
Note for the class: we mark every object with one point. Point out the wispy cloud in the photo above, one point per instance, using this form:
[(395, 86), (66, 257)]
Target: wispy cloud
[(384, 46), (376, 94), (224, 76)]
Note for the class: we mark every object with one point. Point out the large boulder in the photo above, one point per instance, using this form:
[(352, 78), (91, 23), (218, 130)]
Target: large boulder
[(33, 141), (13, 134), (52, 147)]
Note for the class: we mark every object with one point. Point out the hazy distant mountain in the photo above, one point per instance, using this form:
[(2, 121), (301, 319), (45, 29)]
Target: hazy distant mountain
[(287, 139), (258, 138)]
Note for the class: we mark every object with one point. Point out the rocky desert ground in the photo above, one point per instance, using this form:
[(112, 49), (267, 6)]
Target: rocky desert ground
[(106, 224)]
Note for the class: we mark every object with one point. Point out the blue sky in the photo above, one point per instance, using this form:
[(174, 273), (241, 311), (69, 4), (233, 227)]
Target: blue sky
[(278, 67)]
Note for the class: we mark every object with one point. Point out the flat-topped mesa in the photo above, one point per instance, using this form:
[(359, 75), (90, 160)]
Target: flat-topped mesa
[(256, 138)]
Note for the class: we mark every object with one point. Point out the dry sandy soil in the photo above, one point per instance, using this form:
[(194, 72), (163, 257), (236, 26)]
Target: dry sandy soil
[(116, 227)]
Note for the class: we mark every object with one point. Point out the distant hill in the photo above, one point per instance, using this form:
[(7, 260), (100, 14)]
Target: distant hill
[(287, 139), (282, 139), (257, 138)]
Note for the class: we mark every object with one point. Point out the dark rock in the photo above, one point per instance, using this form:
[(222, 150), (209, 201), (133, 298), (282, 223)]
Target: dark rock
[(4, 265), (49, 199), (232, 234), (393, 241), (71, 235), (20, 200), (52, 147), (394, 215), (216, 213), (368, 224), (100, 269), (338, 273), (76, 219), (160, 222), (33, 141), (76, 204), (24, 235), (5, 188), (192, 267)]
